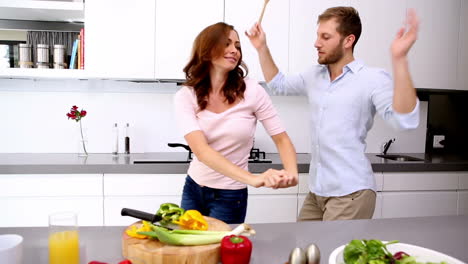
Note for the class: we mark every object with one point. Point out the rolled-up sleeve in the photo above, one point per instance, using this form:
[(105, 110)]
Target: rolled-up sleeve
[(382, 98), (287, 84)]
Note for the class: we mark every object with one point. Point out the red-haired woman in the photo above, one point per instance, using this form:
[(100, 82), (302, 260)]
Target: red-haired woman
[(217, 110)]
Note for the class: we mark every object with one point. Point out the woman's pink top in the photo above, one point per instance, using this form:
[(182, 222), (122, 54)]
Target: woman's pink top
[(231, 132)]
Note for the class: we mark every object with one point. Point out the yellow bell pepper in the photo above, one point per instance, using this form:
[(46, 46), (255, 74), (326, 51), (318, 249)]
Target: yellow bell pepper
[(192, 219), (133, 231)]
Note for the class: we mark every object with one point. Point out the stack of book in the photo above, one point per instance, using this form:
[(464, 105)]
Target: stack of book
[(77, 56)]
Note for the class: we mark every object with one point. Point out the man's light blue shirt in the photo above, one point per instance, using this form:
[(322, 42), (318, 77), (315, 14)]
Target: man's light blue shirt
[(341, 113)]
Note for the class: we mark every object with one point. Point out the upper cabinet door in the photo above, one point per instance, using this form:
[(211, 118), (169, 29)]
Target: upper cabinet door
[(433, 59), (242, 14), (381, 20), (119, 38), (462, 75), (178, 22), (303, 31)]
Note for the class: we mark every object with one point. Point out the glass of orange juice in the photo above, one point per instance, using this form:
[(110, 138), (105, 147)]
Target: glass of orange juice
[(64, 245)]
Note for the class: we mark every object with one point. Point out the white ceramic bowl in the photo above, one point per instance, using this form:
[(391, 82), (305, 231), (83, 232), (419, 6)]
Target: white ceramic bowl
[(420, 253)]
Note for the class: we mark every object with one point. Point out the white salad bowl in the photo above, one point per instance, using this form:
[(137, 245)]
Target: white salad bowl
[(421, 254)]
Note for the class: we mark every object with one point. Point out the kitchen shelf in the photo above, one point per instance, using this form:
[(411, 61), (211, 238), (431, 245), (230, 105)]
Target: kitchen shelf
[(42, 10), (21, 73)]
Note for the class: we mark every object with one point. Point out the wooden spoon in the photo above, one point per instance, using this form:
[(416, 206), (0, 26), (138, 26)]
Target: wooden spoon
[(263, 11)]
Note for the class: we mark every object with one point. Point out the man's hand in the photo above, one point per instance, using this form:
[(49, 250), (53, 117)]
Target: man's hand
[(279, 179), (257, 36), (406, 36)]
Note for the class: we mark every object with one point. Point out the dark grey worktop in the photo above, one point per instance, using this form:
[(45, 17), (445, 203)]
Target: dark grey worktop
[(11, 163), (273, 242)]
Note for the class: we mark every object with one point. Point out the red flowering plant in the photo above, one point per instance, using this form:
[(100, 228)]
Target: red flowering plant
[(77, 115)]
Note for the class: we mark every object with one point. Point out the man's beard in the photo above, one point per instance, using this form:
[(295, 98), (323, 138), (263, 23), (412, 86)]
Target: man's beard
[(335, 55)]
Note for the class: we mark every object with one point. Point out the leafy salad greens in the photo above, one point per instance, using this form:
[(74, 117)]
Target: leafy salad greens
[(375, 252)]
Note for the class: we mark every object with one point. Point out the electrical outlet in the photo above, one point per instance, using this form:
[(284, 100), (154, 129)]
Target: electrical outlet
[(437, 140)]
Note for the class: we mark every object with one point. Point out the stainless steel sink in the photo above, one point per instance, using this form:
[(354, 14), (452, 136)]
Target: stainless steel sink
[(398, 157)]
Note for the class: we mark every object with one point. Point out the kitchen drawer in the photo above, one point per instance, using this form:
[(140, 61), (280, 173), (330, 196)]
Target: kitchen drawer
[(463, 184), (303, 186), (34, 211), (143, 184), (423, 203), (271, 208), (32, 185), (463, 203), (113, 206), (420, 181)]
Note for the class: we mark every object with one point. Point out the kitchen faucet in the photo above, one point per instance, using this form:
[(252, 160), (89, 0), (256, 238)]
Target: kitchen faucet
[(386, 145)]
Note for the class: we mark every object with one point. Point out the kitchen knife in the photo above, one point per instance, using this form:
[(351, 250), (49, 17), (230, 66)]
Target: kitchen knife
[(140, 215)]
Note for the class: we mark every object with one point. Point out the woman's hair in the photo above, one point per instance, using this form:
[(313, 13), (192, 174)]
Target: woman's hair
[(208, 45), (347, 18)]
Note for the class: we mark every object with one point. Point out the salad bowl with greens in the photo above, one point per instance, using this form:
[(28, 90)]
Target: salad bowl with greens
[(382, 252)]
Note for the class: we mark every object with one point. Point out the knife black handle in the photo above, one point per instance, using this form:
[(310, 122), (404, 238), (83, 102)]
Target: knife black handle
[(140, 215)]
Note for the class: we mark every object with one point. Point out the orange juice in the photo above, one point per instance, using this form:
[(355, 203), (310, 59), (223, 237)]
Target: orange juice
[(64, 247)]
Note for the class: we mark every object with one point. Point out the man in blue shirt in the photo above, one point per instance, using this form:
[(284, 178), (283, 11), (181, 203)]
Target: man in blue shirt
[(344, 95)]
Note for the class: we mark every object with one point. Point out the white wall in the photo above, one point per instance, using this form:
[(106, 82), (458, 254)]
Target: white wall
[(33, 120)]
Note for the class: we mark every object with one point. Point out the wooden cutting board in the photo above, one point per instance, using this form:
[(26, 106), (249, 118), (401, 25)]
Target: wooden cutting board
[(148, 251)]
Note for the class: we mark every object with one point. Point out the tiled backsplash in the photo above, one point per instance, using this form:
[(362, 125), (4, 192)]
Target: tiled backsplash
[(36, 120)]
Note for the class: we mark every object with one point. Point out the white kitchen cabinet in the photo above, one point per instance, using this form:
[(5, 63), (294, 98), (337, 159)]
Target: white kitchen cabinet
[(418, 203), (266, 205), (30, 198), (380, 21), (178, 22), (275, 23), (271, 208), (144, 192), (120, 39), (303, 32), (433, 58), (463, 203), (419, 181), (462, 76)]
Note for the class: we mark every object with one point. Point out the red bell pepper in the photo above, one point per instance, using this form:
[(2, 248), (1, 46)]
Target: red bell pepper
[(235, 250)]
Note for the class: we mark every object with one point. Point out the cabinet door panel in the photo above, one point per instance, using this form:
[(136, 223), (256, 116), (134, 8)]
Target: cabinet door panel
[(303, 186), (462, 75), (463, 203), (178, 22), (34, 211), (113, 205), (119, 39), (405, 181), (380, 20), (303, 31), (275, 24), (271, 209), (412, 204), (463, 184), (433, 59), (30, 185), (143, 184)]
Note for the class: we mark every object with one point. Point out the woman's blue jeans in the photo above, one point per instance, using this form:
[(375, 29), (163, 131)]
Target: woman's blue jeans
[(229, 206)]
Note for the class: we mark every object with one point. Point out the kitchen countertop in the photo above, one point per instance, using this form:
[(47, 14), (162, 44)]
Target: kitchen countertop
[(273, 242), (37, 163)]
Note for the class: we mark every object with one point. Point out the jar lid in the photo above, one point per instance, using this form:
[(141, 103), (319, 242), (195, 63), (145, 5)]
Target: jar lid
[(25, 45), (59, 46), (43, 46)]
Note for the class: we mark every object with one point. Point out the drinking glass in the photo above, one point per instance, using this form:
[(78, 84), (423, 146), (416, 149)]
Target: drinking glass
[(64, 246)]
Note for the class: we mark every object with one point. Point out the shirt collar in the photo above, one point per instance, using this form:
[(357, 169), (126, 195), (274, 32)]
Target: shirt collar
[(354, 66)]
